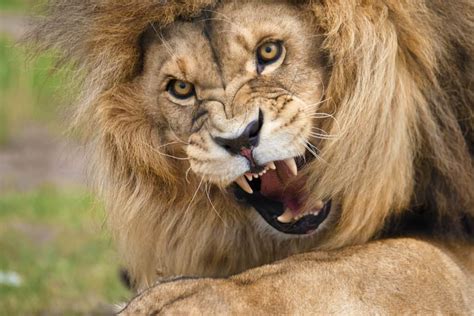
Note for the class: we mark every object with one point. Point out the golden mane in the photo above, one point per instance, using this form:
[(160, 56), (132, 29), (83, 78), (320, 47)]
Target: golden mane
[(401, 85)]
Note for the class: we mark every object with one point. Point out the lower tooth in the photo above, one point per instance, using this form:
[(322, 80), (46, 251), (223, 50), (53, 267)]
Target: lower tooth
[(319, 205), (286, 217)]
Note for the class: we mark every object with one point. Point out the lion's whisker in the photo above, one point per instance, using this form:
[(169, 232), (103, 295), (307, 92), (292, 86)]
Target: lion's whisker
[(155, 149), (176, 136), (186, 177), (322, 134), (311, 105), (194, 196), (165, 44), (318, 115), (321, 115), (224, 18), (311, 149), (168, 144), (207, 189), (171, 156)]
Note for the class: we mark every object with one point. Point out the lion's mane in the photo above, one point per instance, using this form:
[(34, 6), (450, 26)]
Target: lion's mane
[(400, 84)]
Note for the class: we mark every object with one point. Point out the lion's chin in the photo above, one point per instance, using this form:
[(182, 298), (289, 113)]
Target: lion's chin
[(276, 194)]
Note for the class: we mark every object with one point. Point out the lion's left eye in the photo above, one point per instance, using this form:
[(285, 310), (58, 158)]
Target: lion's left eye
[(269, 52), (181, 89)]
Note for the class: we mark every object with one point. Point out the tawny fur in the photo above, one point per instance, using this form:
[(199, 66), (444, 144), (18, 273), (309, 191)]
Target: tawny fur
[(401, 87), (401, 276)]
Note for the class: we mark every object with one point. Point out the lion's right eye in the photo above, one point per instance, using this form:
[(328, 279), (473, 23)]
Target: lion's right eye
[(181, 89), (270, 55)]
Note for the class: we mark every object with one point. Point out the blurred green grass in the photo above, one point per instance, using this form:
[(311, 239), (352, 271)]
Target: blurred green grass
[(54, 241), (28, 89), (19, 5), (52, 237)]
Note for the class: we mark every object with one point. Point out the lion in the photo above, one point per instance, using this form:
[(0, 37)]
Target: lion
[(280, 156)]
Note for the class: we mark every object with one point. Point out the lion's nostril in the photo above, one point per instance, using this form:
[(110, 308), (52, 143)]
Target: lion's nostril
[(249, 138)]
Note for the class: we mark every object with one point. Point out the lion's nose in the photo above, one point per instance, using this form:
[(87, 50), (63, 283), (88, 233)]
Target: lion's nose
[(248, 139)]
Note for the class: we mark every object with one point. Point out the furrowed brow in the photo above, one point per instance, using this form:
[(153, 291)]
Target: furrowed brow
[(181, 63), (240, 39)]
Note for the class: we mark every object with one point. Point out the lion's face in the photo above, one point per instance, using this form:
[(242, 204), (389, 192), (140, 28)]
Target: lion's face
[(240, 91)]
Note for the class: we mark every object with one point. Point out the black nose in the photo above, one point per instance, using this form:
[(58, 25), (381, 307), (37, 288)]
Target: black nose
[(248, 139)]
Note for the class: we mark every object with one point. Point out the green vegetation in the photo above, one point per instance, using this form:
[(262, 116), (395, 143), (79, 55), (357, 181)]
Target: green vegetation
[(19, 5), (26, 89), (55, 242)]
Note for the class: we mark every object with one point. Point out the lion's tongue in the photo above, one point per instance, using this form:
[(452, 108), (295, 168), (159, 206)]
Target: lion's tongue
[(274, 185)]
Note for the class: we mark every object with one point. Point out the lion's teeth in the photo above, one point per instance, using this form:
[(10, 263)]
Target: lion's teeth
[(271, 165), (244, 185), (291, 163), (249, 176), (286, 217), (319, 205), (255, 175)]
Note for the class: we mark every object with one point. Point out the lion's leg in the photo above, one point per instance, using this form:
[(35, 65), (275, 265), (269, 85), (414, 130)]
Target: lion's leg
[(392, 276)]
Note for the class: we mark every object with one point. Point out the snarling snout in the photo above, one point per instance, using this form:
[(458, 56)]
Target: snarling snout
[(260, 160)]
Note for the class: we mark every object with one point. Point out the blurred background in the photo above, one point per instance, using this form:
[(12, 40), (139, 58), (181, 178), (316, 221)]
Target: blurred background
[(55, 255)]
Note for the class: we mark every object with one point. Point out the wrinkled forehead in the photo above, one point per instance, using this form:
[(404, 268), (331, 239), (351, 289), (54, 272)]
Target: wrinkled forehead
[(238, 27), (220, 45), (182, 51)]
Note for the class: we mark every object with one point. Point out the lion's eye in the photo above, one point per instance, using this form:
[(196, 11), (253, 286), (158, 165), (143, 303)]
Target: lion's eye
[(268, 53), (181, 89)]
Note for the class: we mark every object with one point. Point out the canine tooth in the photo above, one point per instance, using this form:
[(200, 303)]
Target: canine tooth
[(249, 176), (291, 163), (319, 205), (255, 176), (286, 217), (271, 165), (244, 185)]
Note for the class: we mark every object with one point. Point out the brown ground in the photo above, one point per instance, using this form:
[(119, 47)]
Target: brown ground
[(36, 157), (14, 25)]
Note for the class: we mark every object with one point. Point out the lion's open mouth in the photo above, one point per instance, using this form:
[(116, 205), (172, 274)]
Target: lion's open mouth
[(280, 204)]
